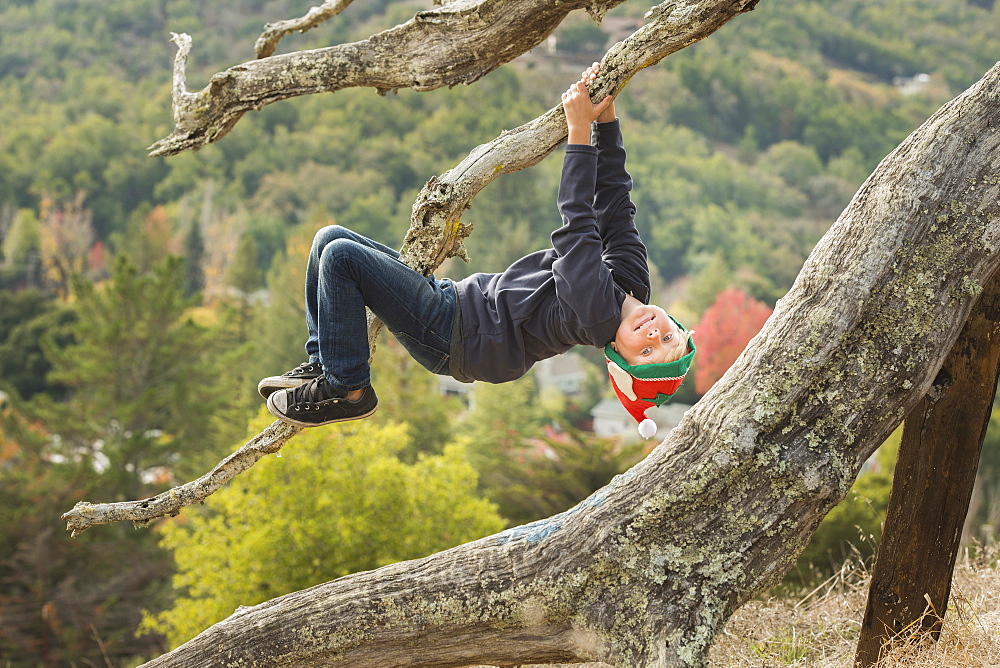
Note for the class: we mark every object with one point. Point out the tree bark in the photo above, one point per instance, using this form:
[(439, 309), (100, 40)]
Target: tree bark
[(451, 45), (646, 571), (931, 489)]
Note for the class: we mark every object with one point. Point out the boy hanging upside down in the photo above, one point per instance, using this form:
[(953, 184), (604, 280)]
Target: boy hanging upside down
[(590, 288)]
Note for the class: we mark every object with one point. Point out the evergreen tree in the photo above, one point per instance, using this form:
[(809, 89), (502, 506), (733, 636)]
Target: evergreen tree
[(194, 255), (244, 273), (503, 418), (555, 471), (21, 251), (410, 394), (142, 379), (28, 317)]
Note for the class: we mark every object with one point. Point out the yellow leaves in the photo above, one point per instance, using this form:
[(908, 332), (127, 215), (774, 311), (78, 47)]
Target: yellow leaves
[(338, 500)]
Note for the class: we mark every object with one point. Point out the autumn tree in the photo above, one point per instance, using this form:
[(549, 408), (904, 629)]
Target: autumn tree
[(67, 232), (149, 237), (723, 332)]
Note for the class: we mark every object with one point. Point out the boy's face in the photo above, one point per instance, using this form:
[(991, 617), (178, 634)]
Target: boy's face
[(647, 335)]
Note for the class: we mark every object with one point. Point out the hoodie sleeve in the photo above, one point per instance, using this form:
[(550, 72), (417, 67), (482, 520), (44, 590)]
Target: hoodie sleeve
[(583, 281), (623, 250)]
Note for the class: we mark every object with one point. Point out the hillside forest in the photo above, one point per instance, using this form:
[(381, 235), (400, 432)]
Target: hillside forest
[(141, 299)]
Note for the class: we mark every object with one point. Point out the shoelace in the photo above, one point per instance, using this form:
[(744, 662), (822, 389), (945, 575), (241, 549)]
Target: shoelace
[(306, 397)]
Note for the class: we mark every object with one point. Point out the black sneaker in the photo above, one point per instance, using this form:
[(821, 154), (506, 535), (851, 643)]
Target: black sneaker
[(317, 403), (301, 374)]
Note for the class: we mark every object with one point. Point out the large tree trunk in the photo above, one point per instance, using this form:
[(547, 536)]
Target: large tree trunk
[(648, 569)]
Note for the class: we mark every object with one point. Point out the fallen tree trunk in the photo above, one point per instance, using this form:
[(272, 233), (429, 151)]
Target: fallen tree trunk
[(646, 571)]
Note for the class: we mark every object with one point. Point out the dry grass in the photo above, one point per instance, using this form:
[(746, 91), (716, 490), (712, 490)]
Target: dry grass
[(820, 629)]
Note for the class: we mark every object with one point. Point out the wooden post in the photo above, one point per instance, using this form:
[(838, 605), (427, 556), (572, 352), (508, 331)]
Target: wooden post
[(932, 487)]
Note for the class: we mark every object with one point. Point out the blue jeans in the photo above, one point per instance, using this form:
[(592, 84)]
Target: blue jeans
[(347, 272)]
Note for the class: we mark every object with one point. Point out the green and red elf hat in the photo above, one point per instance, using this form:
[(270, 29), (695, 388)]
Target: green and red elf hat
[(641, 386)]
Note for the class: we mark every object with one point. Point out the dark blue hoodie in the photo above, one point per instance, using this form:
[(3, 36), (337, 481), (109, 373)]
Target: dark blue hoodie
[(570, 294)]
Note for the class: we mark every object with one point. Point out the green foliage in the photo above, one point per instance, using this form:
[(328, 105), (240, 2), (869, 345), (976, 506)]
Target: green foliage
[(411, 396), (148, 239), (141, 377), (816, 74), (336, 501), (502, 418), (579, 34), (529, 468), (853, 526), (26, 319), (716, 219), (794, 163), (21, 250), (821, 73), (244, 274), (985, 510), (549, 474)]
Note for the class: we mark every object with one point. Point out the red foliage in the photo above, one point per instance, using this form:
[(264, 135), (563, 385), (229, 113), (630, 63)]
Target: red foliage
[(97, 260), (724, 331)]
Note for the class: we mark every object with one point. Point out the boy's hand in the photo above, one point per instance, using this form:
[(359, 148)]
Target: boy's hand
[(589, 75), (580, 111)]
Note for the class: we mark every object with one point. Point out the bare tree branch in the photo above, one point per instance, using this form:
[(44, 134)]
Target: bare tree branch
[(646, 571), (85, 515), (436, 232), (455, 44), (273, 32)]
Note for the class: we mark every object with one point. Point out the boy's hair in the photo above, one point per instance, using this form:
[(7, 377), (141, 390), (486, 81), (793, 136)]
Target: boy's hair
[(639, 387)]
